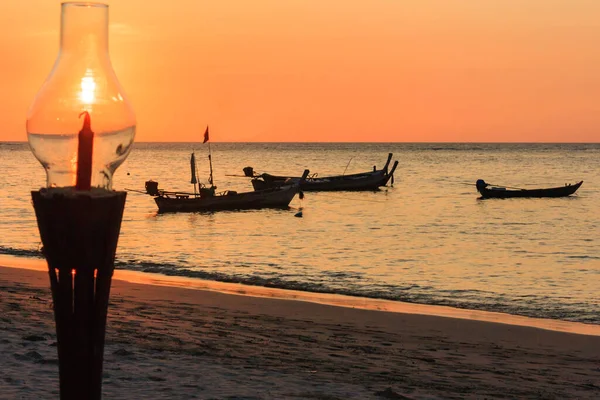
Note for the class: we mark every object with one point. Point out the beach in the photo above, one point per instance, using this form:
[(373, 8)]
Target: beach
[(174, 342)]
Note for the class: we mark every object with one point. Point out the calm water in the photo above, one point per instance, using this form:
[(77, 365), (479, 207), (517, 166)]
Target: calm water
[(428, 239)]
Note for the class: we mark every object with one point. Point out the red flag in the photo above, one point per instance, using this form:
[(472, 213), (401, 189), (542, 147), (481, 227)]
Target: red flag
[(206, 135)]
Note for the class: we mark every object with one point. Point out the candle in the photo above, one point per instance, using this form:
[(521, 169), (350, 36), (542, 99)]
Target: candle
[(84, 154)]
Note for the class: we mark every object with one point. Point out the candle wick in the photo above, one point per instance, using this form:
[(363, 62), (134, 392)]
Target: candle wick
[(86, 121)]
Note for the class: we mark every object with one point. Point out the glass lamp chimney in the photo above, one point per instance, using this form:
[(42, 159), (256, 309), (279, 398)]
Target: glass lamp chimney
[(81, 126)]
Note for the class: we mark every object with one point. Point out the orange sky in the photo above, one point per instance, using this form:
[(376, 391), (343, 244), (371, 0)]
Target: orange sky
[(332, 70)]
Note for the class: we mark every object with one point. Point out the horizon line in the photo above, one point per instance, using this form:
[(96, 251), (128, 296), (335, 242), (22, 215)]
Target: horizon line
[(339, 142)]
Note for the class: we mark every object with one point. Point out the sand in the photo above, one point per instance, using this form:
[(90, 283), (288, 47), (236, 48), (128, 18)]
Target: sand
[(176, 343)]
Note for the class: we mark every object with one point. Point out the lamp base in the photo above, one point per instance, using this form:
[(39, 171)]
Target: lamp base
[(79, 232)]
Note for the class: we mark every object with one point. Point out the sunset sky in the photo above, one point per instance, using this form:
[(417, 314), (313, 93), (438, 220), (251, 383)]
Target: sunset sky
[(332, 70)]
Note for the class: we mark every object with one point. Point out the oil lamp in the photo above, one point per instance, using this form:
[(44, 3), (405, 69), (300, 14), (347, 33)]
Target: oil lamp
[(81, 118), (81, 128)]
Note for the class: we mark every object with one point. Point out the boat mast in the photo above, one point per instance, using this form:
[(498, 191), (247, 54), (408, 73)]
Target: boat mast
[(209, 156), (194, 172), (211, 169), (198, 175)]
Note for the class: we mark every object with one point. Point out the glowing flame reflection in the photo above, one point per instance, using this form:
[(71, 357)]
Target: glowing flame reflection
[(88, 89)]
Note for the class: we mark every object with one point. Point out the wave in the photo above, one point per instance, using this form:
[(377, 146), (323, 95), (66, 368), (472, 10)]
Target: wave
[(20, 252), (472, 299)]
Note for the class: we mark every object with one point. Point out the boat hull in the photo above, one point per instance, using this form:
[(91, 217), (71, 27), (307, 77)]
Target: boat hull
[(562, 191), (367, 181), (272, 198)]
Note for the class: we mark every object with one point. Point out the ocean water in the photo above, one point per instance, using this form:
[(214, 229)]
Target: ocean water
[(428, 239)]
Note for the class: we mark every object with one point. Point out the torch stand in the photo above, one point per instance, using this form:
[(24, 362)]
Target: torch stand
[(79, 232)]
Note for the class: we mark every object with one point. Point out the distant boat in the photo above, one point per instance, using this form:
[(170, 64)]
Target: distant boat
[(371, 180), (488, 191)]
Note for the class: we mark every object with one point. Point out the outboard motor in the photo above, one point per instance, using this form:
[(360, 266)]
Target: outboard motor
[(249, 172), (152, 188)]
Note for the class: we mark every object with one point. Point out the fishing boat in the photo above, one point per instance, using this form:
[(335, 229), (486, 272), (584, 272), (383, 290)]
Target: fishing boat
[(371, 180), (206, 198), (490, 191)]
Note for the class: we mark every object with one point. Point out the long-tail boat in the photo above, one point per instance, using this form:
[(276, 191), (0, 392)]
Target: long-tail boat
[(491, 191), (206, 198), (371, 180)]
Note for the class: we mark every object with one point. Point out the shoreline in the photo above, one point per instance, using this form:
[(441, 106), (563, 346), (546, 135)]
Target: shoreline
[(324, 298), (171, 342)]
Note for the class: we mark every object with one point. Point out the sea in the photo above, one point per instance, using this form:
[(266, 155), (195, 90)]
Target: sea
[(427, 239)]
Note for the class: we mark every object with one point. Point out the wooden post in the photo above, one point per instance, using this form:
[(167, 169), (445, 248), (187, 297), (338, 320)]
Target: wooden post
[(79, 232)]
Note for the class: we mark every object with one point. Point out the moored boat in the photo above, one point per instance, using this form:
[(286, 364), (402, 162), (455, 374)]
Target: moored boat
[(209, 200), (490, 191), (371, 180), (206, 198)]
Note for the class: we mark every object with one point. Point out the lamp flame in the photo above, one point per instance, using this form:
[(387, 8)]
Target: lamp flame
[(88, 89)]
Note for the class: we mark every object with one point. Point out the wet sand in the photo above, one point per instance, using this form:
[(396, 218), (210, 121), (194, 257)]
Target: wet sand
[(174, 342)]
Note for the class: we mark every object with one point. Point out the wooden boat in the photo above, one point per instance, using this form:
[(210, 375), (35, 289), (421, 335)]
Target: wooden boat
[(488, 191), (371, 180), (209, 200)]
